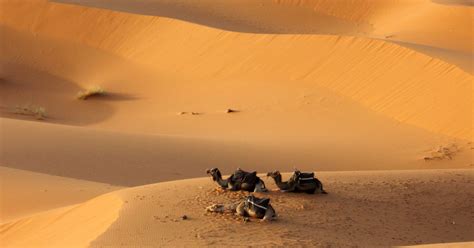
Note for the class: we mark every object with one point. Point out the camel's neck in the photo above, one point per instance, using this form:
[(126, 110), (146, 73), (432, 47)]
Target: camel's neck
[(223, 183), (280, 184)]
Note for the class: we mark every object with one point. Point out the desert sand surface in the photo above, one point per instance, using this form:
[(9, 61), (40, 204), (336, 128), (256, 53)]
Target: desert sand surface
[(25, 193), (363, 209), (375, 96)]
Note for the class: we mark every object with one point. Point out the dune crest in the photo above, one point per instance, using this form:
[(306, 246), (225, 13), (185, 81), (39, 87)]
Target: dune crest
[(411, 21)]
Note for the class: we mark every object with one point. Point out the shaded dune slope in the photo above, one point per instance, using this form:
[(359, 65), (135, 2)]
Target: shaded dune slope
[(137, 159), (364, 70)]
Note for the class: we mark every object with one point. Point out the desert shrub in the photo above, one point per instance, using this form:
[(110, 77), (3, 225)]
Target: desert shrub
[(36, 111), (94, 91)]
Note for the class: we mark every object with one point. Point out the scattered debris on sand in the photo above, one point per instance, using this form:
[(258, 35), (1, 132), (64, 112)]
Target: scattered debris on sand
[(187, 113), (38, 112), (229, 110), (443, 152)]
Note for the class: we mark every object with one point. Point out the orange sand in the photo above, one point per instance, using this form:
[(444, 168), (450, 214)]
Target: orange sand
[(319, 85)]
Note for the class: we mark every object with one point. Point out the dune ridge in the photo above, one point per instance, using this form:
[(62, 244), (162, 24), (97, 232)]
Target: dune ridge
[(406, 20)]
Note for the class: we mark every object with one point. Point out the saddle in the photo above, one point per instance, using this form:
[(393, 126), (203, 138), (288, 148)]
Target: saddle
[(303, 178), (241, 176), (257, 205)]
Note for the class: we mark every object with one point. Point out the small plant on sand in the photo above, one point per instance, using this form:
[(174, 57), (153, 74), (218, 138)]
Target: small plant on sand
[(94, 91), (38, 112), (443, 152)]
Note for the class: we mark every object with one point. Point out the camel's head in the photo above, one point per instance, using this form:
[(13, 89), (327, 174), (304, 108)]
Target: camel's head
[(273, 174), (214, 173)]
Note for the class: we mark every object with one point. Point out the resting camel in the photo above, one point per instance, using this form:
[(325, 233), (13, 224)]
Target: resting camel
[(240, 180), (251, 206), (298, 182)]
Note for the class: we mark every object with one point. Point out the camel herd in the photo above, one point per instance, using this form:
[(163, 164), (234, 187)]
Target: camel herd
[(255, 207)]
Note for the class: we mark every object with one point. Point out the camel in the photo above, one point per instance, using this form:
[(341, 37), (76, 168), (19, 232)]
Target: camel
[(251, 206), (298, 182), (240, 180)]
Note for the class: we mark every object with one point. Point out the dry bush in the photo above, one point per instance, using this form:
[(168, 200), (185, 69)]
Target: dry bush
[(443, 152), (94, 91), (36, 111)]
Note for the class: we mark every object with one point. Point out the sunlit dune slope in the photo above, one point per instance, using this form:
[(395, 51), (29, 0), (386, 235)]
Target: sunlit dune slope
[(413, 21), (170, 66), (72, 226), (362, 208), (24, 193)]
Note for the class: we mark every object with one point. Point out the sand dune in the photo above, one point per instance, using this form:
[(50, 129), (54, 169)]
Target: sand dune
[(451, 245), (73, 226), (320, 85), (137, 159), (364, 70), (410, 22), (373, 209), (23, 193)]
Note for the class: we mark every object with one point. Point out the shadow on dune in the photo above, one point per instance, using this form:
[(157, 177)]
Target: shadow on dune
[(30, 68), (234, 15), (112, 96), (121, 158), (129, 159), (247, 18), (28, 87), (455, 2)]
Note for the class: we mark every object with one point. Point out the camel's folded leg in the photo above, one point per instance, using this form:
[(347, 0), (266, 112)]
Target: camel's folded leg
[(240, 209), (270, 214), (260, 187), (289, 189), (234, 187)]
